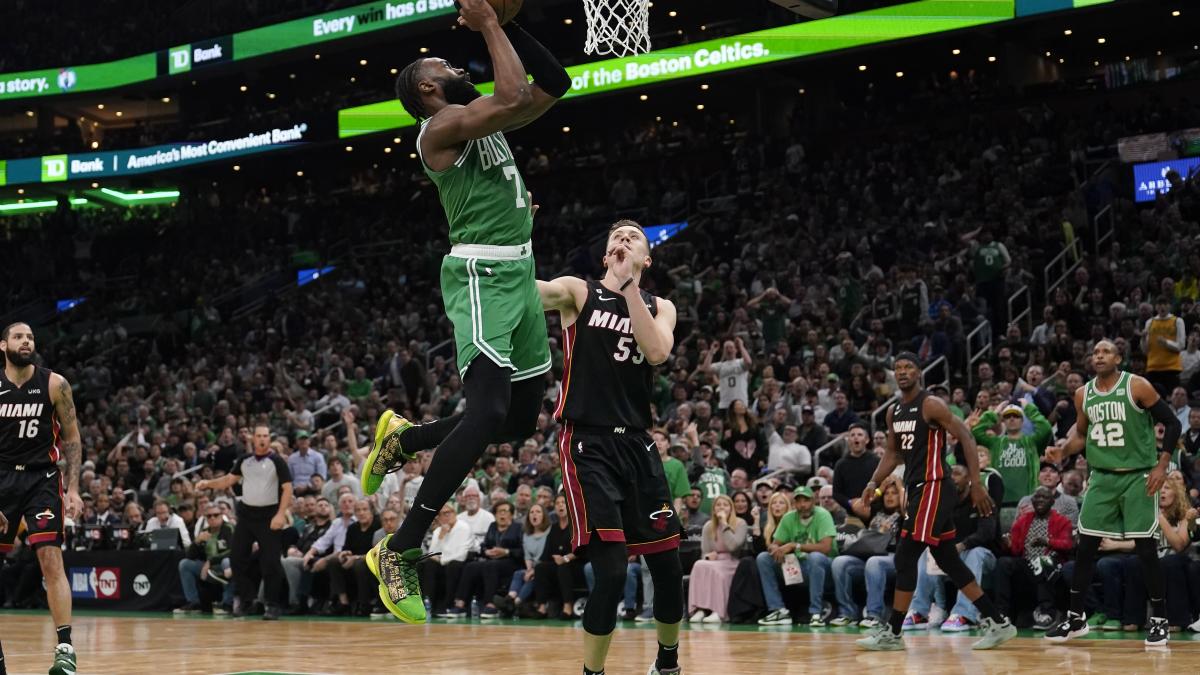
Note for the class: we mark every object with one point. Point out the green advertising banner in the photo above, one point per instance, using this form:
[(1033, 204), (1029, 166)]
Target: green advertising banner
[(739, 51), (74, 79), (336, 25)]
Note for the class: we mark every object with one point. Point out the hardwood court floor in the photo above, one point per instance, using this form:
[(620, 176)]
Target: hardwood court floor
[(144, 644)]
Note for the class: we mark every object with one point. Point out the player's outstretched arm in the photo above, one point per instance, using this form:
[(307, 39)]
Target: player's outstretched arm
[(564, 295), (72, 446)]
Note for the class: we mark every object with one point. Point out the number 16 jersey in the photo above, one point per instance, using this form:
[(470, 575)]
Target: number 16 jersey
[(28, 429), (606, 379)]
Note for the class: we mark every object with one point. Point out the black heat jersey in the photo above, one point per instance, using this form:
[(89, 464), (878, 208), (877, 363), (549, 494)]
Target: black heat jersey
[(28, 428), (921, 444), (606, 379)]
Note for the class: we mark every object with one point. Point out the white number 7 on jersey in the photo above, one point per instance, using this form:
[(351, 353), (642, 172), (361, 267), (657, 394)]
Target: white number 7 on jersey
[(510, 173)]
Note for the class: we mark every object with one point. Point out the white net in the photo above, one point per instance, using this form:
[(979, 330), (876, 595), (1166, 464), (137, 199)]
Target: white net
[(617, 27)]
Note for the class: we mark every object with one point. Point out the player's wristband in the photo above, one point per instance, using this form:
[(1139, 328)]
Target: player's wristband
[(626, 284)]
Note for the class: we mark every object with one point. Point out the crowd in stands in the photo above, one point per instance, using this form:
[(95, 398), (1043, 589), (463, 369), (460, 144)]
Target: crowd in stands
[(791, 305)]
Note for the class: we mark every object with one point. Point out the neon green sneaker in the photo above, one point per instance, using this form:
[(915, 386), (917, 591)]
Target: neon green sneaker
[(1112, 625), (399, 581), (64, 660), (385, 451), (881, 639)]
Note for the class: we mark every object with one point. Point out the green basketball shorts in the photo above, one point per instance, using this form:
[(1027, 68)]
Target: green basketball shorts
[(1116, 505), (491, 296)]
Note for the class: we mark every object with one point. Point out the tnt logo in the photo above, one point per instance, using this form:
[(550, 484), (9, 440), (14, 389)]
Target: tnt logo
[(141, 585)]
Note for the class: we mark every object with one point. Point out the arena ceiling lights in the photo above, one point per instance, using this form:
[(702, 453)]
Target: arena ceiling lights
[(280, 37), (774, 45)]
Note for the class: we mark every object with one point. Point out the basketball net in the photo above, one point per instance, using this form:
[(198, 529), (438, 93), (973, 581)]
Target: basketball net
[(617, 27)]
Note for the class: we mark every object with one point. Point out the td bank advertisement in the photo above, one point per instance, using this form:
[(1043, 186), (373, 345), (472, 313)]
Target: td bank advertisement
[(58, 168), (785, 43)]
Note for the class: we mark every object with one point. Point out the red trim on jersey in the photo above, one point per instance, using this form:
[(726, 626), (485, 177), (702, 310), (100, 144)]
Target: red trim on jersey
[(671, 542), (612, 536), (42, 538), (576, 507), (55, 450), (931, 497), (568, 353)]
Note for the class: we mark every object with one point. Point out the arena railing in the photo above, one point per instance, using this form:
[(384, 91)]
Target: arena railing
[(981, 335), (1100, 234), (1061, 266), (1025, 314)]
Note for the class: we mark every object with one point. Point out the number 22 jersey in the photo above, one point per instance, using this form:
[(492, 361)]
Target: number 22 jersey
[(606, 379)]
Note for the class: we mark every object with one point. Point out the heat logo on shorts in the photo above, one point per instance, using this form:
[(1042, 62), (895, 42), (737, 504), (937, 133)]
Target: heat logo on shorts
[(660, 517)]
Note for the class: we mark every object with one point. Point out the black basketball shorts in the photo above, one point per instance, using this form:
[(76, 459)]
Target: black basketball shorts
[(616, 489), (37, 496), (929, 517)]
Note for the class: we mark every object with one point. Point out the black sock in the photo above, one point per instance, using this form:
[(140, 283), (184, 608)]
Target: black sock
[(896, 622), (488, 389), (668, 657), (1076, 604), (429, 435), (592, 672), (988, 608), (1158, 608), (64, 634)]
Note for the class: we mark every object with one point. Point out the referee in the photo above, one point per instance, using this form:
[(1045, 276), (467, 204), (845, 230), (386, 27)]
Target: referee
[(261, 515)]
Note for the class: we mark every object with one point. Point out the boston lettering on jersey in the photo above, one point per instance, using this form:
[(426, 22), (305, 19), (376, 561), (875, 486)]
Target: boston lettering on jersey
[(1106, 411), (606, 378)]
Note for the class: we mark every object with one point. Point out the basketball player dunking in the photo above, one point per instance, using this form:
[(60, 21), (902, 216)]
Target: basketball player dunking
[(37, 426), (917, 426), (617, 494), (488, 280)]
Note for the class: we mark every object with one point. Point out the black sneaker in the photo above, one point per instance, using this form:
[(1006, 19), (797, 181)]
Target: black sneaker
[(271, 612), (1158, 632), (239, 608), (190, 608), (1075, 625)]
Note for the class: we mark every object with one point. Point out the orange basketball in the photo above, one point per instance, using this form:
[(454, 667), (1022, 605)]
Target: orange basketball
[(506, 10)]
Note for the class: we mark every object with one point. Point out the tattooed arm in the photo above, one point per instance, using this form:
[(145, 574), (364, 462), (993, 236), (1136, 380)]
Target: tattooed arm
[(72, 447)]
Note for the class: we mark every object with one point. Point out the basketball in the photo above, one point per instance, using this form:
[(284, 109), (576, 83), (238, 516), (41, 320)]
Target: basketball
[(506, 10)]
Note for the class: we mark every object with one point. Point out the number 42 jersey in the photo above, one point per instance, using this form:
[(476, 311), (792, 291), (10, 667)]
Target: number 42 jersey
[(606, 379)]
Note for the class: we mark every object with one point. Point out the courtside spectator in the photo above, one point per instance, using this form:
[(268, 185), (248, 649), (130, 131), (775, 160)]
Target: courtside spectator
[(208, 556), (722, 541), (478, 519), (554, 575), (500, 556), (452, 542), (853, 471), (165, 520), (807, 533), (1040, 541), (869, 557)]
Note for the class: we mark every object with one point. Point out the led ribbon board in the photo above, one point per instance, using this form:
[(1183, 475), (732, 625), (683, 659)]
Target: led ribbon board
[(773, 45), (58, 168), (312, 30)]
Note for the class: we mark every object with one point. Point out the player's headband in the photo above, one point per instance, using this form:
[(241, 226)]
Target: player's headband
[(908, 356)]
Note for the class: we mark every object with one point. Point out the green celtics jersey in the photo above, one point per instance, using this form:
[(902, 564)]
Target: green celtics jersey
[(1016, 459), (1120, 435), (483, 194), (712, 483), (989, 262)]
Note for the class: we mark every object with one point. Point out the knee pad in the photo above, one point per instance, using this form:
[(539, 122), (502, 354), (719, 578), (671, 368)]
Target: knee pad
[(608, 561), (666, 570)]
